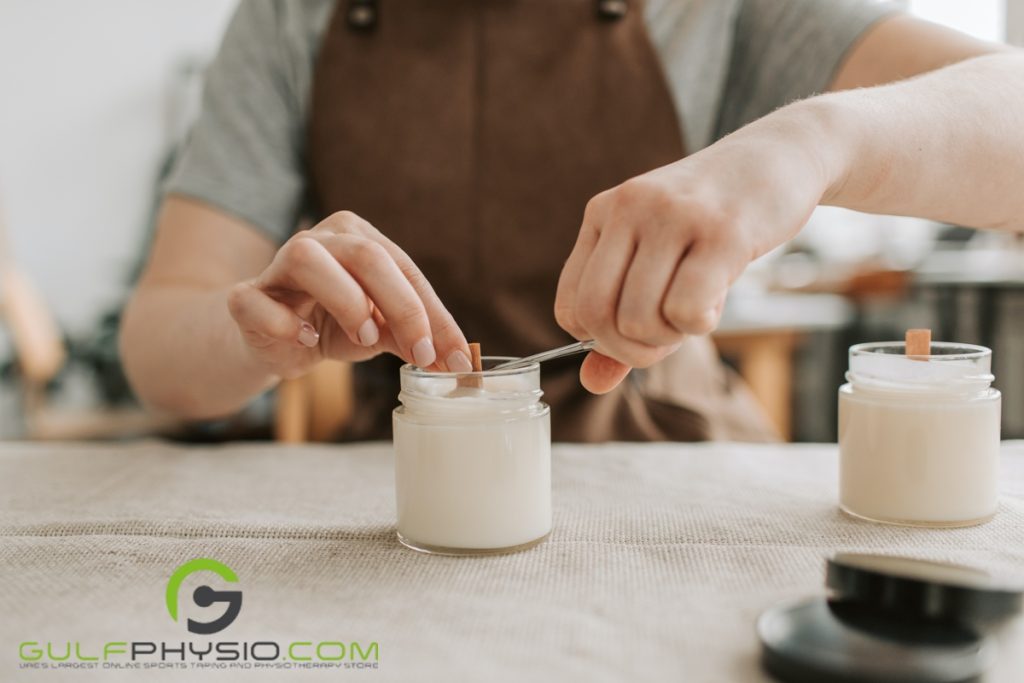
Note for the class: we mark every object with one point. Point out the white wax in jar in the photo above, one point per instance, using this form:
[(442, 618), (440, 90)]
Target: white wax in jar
[(473, 466), (916, 447)]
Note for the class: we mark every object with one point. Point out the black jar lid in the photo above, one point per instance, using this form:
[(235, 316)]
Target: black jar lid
[(817, 641), (889, 620), (922, 589)]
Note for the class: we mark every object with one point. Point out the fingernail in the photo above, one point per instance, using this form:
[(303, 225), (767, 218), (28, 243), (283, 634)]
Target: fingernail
[(423, 353), (459, 362), (368, 333), (308, 336)]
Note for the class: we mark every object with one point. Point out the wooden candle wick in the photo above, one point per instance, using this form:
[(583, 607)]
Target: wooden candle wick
[(473, 380), (918, 344)]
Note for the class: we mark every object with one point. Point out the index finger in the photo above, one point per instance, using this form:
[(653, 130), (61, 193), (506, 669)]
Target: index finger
[(569, 280), (450, 342)]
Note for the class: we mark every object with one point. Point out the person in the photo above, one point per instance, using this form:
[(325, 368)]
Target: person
[(510, 172)]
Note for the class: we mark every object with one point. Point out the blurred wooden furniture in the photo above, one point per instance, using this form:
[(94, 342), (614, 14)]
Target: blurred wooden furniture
[(859, 283), (760, 333), (40, 353), (876, 284), (315, 407), (34, 332), (765, 361)]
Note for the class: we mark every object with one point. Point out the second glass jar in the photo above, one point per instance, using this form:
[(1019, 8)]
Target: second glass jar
[(919, 436)]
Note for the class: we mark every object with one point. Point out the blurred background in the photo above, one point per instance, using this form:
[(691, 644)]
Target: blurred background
[(97, 96)]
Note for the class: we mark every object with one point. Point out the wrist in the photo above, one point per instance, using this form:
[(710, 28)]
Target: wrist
[(240, 374), (259, 369), (828, 135), (804, 146), (778, 169)]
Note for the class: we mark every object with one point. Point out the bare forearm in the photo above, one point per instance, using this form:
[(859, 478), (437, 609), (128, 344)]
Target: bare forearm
[(946, 145), (185, 355)]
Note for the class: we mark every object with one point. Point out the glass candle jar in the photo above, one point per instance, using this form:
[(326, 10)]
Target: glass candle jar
[(919, 435), (472, 464)]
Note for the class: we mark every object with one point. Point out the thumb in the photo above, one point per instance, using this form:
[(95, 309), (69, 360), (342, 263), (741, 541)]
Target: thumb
[(600, 374)]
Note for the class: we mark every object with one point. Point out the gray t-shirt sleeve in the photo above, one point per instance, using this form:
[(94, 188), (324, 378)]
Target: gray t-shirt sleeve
[(244, 152), (786, 50)]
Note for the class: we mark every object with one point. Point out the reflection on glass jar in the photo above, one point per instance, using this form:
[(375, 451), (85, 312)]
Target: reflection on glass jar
[(919, 435), (472, 464)]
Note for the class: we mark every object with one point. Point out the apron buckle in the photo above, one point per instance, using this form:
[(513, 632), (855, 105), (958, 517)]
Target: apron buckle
[(611, 10), (362, 14)]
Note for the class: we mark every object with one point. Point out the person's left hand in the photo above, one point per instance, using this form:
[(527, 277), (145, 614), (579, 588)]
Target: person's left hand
[(656, 255)]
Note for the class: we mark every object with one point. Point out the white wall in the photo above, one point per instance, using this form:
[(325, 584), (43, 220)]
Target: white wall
[(985, 19), (82, 129)]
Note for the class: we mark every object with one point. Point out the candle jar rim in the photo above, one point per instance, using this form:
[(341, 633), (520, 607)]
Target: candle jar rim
[(948, 351), (504, 390), (951, 368), (416, 371)]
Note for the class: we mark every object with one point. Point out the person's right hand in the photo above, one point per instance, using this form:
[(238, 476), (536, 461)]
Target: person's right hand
[(343, 290)]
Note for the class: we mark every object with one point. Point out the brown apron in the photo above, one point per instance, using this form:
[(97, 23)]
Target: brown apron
[(473, 133)]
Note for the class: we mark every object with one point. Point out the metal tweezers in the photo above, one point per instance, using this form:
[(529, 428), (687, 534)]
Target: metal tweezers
[(571, 349)]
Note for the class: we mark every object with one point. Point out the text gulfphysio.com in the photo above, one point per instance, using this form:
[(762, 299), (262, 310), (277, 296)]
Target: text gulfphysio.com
[(260, 654), (223, 654)]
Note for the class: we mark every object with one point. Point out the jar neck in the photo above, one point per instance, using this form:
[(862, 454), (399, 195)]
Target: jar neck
[(960, 388), (950, 370), (472, 406)]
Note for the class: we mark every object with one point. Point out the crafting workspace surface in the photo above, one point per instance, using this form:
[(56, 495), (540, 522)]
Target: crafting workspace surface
[(661, 558)]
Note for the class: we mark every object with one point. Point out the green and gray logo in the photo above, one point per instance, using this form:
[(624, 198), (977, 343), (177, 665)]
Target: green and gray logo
[(204, 596)]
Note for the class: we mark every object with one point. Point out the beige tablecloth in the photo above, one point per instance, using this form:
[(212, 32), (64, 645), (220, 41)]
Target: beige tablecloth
[(661, 558)]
